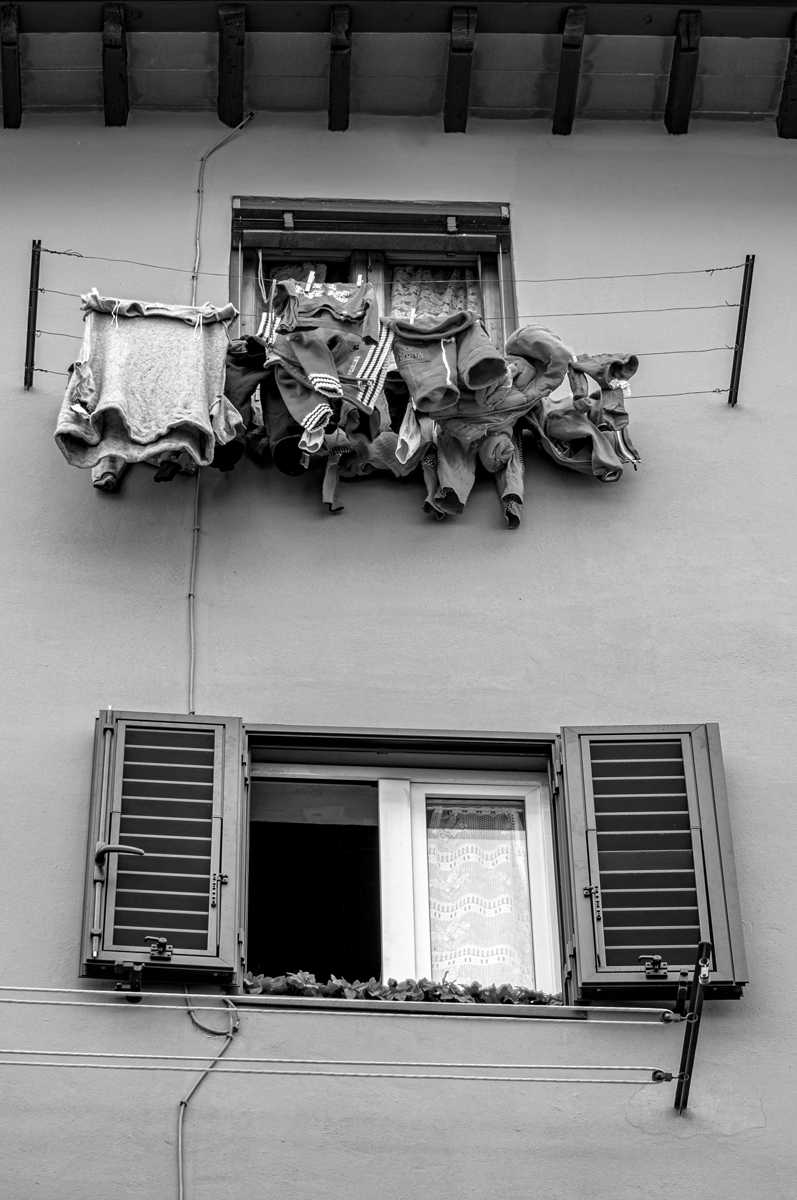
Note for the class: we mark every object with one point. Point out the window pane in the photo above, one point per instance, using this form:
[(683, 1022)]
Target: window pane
[(314, 879), (479, 909)]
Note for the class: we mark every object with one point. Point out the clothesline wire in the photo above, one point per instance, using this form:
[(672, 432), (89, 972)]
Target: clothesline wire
[(635, 396), (640, 353), (611, 312), (45, 995), (222, 1069), (514, 279), (125, 1056)]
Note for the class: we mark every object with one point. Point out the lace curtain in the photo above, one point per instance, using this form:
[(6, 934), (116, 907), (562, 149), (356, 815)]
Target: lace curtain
[(433, 292), (479, 907)]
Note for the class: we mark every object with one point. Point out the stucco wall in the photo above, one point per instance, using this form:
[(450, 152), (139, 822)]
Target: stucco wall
[(667, 597)]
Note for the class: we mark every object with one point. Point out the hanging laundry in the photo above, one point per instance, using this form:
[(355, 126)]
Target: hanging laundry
[(583, 424), (328, 305), (481, 428), (437, 359), (148, 385)]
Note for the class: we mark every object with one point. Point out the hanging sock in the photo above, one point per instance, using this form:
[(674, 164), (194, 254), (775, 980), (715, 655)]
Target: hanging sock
[(109, 472)]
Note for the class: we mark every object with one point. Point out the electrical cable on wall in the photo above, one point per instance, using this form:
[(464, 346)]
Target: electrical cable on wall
[(195, 530), (233, 1024)]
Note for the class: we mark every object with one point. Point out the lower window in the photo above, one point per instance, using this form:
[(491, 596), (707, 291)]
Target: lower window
[(403, 877), (595, 862)]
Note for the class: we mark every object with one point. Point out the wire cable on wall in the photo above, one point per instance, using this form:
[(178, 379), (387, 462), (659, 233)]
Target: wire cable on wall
[(195, 530), (228, 1034)]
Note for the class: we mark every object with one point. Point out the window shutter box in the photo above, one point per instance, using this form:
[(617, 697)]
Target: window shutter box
[(396, 226), (650, 862), (165, 875)]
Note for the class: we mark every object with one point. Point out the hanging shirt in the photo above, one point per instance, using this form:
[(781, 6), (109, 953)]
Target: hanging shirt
[(149, 382)]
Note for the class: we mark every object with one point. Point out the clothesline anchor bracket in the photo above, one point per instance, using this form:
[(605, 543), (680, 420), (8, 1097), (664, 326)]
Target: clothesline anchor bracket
[(741, 329), (33, 313), (700, 977)]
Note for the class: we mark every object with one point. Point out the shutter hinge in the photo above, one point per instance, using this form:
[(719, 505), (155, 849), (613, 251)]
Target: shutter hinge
[(556, 767), (216, 882), (245, 765), (108, 720), (595, 893), (159, 950), (655, 966)]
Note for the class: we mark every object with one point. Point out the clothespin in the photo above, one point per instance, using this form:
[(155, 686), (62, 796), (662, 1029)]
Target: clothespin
[(412, 315), (310, 282), (359, 281)]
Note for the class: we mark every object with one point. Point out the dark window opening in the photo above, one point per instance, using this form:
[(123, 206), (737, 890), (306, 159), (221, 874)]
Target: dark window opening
[(314, 880)]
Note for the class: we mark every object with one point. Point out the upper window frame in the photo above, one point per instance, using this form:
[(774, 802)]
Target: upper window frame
[(372, 234)]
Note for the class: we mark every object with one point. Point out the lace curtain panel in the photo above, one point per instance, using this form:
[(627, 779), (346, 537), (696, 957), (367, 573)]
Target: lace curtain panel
[(479, 907), (433, 293)]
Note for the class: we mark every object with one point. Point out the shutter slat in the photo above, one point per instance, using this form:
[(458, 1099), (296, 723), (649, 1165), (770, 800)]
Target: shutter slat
[(138, 789), (178, 739), (185, 882), (185, 901), (626, 822), (198, 757), (674, 897), (136, 826), (626, 918), (173, 806)]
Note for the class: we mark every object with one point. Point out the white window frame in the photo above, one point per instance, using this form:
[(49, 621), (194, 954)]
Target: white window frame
[(403, 857)]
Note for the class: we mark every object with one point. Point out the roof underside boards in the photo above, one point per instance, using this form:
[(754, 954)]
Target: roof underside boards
[(514, 75)]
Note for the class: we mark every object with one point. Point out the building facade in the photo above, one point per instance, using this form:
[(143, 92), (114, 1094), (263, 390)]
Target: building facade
[(647, 608)]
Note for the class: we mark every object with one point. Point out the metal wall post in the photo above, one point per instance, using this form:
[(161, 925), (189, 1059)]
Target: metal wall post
[(33, 312), (700, 978), (741, 329)]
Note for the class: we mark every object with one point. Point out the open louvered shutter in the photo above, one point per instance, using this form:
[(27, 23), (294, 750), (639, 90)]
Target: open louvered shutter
[(651, 862), (170, 788)]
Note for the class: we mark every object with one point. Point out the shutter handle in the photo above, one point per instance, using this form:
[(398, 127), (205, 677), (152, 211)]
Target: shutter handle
[(105, 848)]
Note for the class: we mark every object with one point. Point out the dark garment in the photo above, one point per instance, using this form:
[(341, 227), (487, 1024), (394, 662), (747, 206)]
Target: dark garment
[(583, 424), (328, 305), (245, 370), (438, 361)]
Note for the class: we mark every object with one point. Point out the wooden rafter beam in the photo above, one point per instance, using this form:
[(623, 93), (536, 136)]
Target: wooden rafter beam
[(460, 64), (232, 63), (10, 64), (116, 99), (683, 72), (573, 30), (340, 67), (787, 112)]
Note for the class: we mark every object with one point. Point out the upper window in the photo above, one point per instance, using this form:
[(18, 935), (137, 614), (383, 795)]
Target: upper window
[(406, 855), (422, 259)]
